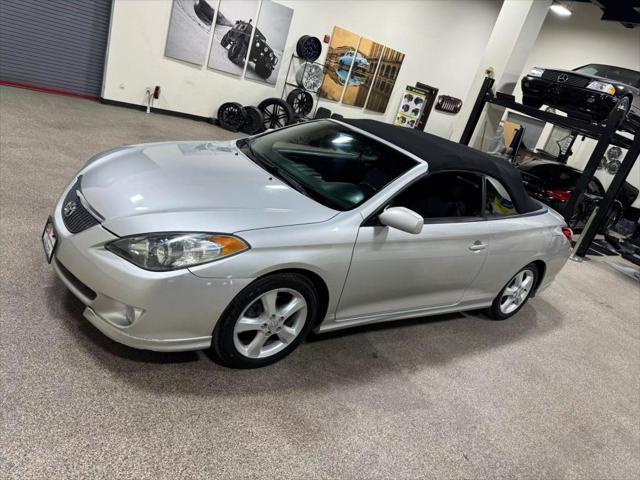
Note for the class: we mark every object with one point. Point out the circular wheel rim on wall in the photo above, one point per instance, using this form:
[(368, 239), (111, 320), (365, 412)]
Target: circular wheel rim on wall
[(301, 102), (309, 48), (310, 76), (276, 112)]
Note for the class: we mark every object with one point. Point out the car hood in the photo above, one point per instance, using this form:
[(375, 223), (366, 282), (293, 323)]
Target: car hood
[(191, 186)]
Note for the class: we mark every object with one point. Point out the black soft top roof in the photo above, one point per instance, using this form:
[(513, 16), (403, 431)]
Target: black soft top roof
[(442, 154)]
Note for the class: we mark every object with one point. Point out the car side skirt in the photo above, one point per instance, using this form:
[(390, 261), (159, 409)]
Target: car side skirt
[(401, 315)]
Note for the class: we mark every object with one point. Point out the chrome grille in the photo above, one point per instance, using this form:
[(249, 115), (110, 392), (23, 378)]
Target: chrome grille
[(74, 215), (564, 78)]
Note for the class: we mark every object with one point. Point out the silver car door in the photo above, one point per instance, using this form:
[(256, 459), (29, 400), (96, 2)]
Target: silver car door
[(393, 271), (515, 240)]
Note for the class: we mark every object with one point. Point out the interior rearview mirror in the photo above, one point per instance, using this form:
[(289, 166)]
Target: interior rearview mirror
[(403, 219)]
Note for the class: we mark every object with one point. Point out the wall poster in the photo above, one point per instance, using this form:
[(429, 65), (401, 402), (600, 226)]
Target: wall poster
[(270, 39), (365, 63), (340, 56), (232, 35), (190, 30), (385, 79)]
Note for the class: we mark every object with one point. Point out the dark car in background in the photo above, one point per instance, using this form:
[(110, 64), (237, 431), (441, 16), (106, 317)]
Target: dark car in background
[(589, 92), (553, 183)]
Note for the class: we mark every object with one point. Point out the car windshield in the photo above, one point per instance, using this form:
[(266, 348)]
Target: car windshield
[(329, 162), (624, 75)]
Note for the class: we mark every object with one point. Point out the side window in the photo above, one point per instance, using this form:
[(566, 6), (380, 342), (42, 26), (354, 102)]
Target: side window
[(444, 195), (498, 201)]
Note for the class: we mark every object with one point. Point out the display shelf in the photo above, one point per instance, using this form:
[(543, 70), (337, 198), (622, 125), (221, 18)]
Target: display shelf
[(290, 84)]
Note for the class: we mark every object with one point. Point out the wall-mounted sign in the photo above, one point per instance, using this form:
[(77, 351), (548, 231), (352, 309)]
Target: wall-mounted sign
[(448, 104), (411, 106)]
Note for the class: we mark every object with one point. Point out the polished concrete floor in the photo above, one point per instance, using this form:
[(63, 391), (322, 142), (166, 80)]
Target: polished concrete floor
[(552, 393)]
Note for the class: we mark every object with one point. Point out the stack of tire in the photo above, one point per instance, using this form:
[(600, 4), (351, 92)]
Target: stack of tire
[(308, 77), (236, 118)]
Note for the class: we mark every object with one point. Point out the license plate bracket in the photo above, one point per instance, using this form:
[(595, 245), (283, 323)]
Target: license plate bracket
[(49, 239)]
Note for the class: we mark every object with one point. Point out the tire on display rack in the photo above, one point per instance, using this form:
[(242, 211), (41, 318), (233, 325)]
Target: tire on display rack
[(310, 76), (254, 121), (276, 112), (301, 102), (309, 48), (231, 116)]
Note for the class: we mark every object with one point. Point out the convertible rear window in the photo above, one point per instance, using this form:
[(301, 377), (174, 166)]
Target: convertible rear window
[(333, 164)]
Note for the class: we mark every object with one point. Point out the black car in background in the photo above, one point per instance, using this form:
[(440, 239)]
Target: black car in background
[(553, 183), (589, 92)]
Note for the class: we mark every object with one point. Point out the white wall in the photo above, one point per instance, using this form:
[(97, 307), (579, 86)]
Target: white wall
[(569, 42), (443, 42)]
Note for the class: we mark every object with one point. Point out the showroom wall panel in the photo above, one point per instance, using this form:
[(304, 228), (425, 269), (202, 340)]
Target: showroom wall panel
[(54, 44), (442, 40)]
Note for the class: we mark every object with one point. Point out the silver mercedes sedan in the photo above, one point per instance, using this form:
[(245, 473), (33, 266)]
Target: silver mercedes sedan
[(244, 247)]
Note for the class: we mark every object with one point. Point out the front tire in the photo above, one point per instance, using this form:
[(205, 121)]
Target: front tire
[(530, 101), (514, 294), (266, 321)]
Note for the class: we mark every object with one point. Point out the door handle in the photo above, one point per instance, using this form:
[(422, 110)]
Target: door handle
[(477, 246)]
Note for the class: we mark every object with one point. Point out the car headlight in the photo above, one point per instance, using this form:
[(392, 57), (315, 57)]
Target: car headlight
[(536, 72), (162, 252), (602, 87)]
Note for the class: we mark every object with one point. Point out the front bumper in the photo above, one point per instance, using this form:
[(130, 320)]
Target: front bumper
[(590, 103), (162, 311)]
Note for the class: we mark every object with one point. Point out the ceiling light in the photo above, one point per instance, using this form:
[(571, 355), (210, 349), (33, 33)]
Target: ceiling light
[(561, 10)]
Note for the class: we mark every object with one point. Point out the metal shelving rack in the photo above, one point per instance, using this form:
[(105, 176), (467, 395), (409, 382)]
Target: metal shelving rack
[(604, 133), (291, 84)]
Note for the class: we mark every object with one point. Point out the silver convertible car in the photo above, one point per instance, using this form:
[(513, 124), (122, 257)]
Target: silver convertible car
[(246, 246)]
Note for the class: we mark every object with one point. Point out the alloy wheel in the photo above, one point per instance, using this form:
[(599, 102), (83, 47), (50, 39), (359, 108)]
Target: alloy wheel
[(516, 291), (276, 112), (270, 323)]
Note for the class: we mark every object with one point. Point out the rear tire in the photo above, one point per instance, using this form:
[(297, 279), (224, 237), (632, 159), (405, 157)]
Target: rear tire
[(515, 294), (256, 329)]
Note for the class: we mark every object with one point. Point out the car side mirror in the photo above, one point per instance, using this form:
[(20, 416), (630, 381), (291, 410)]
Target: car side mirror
[(403, 219)]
